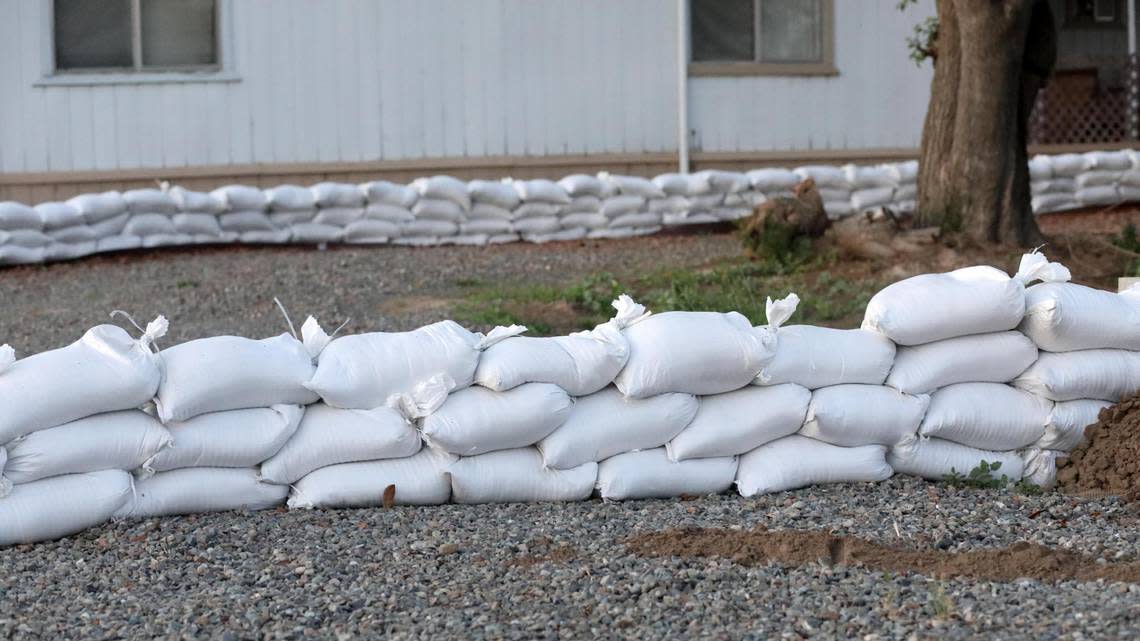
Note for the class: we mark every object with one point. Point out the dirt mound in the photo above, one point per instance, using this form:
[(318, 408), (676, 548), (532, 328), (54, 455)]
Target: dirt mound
[(803, 547), (1108, 459)]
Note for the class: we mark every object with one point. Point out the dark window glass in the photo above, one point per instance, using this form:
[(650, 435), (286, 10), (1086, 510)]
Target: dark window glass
[(178, 33), (92, 34), (723, 30), (790, 31)]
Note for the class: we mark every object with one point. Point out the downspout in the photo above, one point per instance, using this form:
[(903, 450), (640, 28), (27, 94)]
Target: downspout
[(1133, 73), (683, 85)]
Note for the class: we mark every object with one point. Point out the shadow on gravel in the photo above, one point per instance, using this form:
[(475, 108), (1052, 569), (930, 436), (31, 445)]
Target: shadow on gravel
[(795, 548)]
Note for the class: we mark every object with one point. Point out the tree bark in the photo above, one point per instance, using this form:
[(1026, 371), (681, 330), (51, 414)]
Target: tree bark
[(991, 58)]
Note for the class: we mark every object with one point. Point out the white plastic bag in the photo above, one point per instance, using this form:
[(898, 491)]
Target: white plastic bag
[(797, 461), (852, 415), (421, 479), (606, 423), (104, 371), (518, 476), (195, 490), (935, 459), (329, 436), (63, 505), (740, 421), (987, 358), (1067, 422), (988, 416), (1103, 374), (1063, 317), (649, 474), (112, 441), (237, 438), (972, 300), (820, 356), (477, 420)]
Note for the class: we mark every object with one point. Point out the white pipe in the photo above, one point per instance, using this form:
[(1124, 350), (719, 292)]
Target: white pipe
[(683, 85), (1131, 27)]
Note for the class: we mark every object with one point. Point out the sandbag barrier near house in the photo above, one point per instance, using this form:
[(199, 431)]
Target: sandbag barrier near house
[(441, 210), (946, 371)]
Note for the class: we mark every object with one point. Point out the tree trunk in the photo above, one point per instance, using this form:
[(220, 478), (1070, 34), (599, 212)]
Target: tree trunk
[(990, 59)]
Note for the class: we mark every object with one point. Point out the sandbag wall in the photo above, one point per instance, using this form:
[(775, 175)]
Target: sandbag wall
[(442, 210), (947, 371)]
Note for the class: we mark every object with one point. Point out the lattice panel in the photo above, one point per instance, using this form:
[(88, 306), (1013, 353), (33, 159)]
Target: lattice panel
[(1077, 107)]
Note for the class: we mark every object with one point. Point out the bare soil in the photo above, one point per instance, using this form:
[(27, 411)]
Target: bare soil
[(1108, 459)]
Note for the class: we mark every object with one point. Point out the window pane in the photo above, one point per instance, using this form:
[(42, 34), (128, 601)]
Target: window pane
[(92, 33), (791, 31), (178, 32), (723, 30)]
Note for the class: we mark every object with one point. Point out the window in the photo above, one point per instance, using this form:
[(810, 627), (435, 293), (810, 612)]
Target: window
[(1084, 14), (135, 35), (731, 37)]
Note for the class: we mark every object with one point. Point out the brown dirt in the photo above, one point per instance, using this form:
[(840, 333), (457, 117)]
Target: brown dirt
[(803, 547), (1108, 459)]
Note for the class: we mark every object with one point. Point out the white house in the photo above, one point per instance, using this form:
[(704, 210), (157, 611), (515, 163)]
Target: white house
[(111, 94)]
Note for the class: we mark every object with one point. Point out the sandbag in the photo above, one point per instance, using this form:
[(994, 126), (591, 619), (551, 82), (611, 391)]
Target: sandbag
[(494, 192), (111, 441), (443, 187), (58, 215), (195, 490), (768, 180), (541, 190), (1103, 374), (972, 300), (650, 474), (581, 363), (237, 438), (290, 198), (231, 372), (315, 233), (438, 209), (740, 421), (62, 505), (390, 193), (684, 184), (1040, 467), (606, 423), (1065, 428), (578, 185), (331, 194), (5, 484), (1063, 317), (338, 216), (817, 357), (104, 371), (421, 479), (389, 213), (994, 358), (477, 420), (633, 185), (241, 198), (935, 459), (797, 461), (615, 206), (988, 416), (370, 231), (723, 181), (196, 202), (149, 201), (363, 371), (14, 215), (329, 436), (99, 207), (518, 476), (851, 415), (248, 221)]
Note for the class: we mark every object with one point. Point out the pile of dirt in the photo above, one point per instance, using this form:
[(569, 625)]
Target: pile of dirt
[(796, 548), (1108, 459)]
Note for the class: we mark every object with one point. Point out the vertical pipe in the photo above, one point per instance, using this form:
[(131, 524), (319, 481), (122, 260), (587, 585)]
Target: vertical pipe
[(1131, 27), (683, 86), (1133, 79)]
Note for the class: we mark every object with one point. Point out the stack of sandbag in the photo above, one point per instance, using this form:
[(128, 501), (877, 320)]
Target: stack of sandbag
[(956, 344), (106, 216), (388, 207), (441, 206), (197, 216), (71, 428), (584, 211), (339, 206), (834, 187), (874, 187), (69, 235), (676, 207), (1098, 184), (22, 239), (492, 209), (1052, 190), (245, 213), (626, 206), (1090, 358), (151, 218), (536, 216), (290, 205)]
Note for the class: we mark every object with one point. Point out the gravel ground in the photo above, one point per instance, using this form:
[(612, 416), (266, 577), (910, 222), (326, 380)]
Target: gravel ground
[(513, 571)]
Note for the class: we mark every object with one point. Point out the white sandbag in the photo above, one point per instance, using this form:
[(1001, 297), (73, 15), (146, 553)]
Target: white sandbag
[(972, 300), (1107, 160), (837, 209), (63, 505), (149, 225), (1103, 374), (869, 177), (332, 194), (104, 371), (77, 234), (768, 180), (5, 484), (1128, 193), (581, 204), (689, 218), (562, 235), (26, 238), (419, 480), (669, 204), (1040, 467), (485, 226), (864, 199), (577, 185), (389, 213), (390, 193), (236, 438), (541, 190), (1040, 167), (706, 202), (622, 232), (68, 251), (111, 441), (231, 372), (1130, 178), (241, 198), (196, 490), (1064, 317), (465, 240), (409, 238), (820, 357), (582, 219), (437, 209), (498, 239), (740, 421), (650, 474), (699, 352), (1096, 179), (362, 371), (637, 219), (58, 215), (631, 185), (1068, 164), (683, 184), (98, 207), (1098, 195), (443, 188), (615, 206), (851, 415), (338, 216), (724, 181), (487, 211), (15, 215), (988, 416), (477, 420), (149, 201), (428, 228), (194, 223), (246, 221), (1053, 202), (797, 461), (989, 358), (262, 236), (1065, 428), (825, 176), (606, 423), (935, 459), (494, 192), (330, 436), (534, 210), (518, 476), (196, 202), (315, 233), (537, 225), (116, 243)]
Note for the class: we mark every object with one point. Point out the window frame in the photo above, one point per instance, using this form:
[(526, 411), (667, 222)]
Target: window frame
[(824, 67), (220, 71)]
